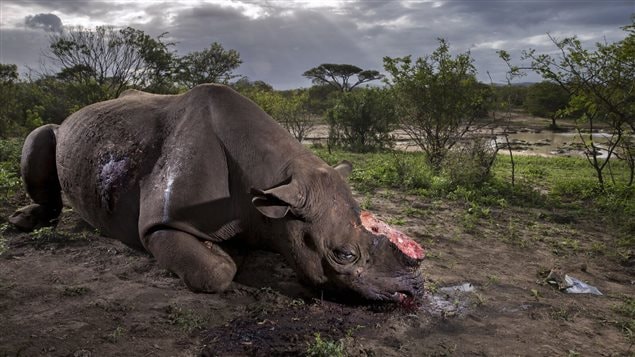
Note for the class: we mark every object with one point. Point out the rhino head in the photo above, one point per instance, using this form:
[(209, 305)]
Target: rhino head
[(333, 245)]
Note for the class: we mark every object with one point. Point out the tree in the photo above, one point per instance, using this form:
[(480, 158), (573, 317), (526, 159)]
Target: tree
[(439, 99), (339, 75), (8, 73), (546, 99), (289, 109), (362, 120), (322, 97), (246, 86), (8, 102), (113, 59), (601, 88), (212, 65)]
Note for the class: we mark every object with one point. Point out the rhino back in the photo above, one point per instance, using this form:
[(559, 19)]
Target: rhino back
[(174, 156)]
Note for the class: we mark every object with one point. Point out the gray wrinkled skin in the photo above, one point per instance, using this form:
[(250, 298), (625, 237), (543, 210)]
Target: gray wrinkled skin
[(167, 173)]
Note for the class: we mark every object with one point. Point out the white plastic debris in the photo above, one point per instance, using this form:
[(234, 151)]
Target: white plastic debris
[(463, 288), (575, 286)]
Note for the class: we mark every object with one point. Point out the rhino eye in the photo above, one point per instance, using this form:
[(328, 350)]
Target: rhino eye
[(344, 256)]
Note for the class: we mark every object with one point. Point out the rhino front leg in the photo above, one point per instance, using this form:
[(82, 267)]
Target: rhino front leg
[(203, 267)]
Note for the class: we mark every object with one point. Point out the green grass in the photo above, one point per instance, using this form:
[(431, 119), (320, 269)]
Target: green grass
[(626, 310), (186, 320), (325, 348), (10, 151), (567, 183)]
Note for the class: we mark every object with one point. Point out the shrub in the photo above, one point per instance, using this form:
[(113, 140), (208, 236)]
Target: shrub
[(324, 348), (362, 120), (470, 164)]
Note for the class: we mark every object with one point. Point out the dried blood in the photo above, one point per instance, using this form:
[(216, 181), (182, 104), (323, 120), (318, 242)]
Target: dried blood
[(398, 238)]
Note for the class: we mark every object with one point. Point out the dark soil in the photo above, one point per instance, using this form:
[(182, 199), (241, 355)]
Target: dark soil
[(74, 293)]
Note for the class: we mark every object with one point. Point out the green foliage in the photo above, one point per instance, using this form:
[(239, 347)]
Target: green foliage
[(9, 182), (627, 322), (211, 65), (74, 291), (362, 120), (45, 234), (247, 87), (600, 87), (546, 99), (186, 320), (439, 99), (339, 76), (290, 109), (470, 163), (512, 95), (112, 59), (8, 73), (401, 170), (324, 348), (322, 98), (8, 76), (10, 166), (3, 240)]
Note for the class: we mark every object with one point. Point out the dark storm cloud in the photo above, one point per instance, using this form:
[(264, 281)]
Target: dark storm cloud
[(47, 22), (286, 40), (276, 48), (72, 7)]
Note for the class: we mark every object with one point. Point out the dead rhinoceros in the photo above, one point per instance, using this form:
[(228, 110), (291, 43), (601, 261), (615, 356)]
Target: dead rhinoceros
[(179, 175)]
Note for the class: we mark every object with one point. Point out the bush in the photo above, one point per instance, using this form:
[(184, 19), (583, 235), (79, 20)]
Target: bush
[(10, 151), (325, 348), (362, 120), (471, 163)]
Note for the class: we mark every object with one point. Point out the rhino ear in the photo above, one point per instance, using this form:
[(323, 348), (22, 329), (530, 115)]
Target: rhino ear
[(276, 202), (344, 168)]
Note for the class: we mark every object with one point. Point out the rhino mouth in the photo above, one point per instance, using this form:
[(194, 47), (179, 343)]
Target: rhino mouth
[(410, 288)]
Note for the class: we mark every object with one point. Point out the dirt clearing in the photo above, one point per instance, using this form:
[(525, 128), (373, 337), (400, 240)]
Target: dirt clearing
[(73, 293)]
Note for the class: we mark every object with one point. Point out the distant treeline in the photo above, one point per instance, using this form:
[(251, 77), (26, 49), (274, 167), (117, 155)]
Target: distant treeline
[(435, 99)]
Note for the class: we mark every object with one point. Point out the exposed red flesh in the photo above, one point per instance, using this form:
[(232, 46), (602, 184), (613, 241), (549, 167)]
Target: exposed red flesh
[(408, 246)]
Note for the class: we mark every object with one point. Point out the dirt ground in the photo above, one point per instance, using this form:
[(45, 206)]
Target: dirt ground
[(74, 293)]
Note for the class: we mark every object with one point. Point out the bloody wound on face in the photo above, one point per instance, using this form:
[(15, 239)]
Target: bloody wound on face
[(407, 246)]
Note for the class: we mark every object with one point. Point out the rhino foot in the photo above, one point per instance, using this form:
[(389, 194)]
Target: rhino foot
[(31, 217)]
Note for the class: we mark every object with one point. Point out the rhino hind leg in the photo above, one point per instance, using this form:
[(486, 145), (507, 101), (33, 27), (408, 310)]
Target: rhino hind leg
[(39, 174), (203, 267)]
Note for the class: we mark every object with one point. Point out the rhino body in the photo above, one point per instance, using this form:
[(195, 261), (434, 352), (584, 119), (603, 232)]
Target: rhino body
[(178, 175)]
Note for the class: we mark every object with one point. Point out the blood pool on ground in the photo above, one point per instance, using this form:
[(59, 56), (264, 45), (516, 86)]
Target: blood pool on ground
[(407, 246)]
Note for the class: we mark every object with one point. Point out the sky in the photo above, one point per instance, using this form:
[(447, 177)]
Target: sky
[(280, 39)]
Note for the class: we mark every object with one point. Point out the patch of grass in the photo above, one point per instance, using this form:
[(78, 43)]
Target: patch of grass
[(388, 169), (492, 280), (186, 320), (432, 286), (413, 212), (626, 310), (3, 240), (566, 186), (51, 235), (367, 203), (473, 215), (396, 221), (45, 234), (116, 334), (73, 291), (9, 183), (10, 151), (325, 348)]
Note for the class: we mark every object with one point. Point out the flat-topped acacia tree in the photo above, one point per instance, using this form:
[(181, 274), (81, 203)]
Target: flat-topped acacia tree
[(339, 75)]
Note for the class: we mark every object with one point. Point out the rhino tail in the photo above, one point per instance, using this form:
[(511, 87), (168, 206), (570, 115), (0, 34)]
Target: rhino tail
[(39, 174)]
